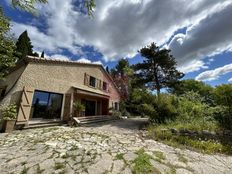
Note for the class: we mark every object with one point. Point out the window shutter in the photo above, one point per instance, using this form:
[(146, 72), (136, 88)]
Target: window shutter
[(25, 105)]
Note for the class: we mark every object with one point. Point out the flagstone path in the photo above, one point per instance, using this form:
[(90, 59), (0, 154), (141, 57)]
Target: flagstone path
[(99, 149)]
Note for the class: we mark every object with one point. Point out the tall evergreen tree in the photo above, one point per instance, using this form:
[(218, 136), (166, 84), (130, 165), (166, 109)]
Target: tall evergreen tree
[(158, 69), (24, 46), (42, 54), (7, 46)]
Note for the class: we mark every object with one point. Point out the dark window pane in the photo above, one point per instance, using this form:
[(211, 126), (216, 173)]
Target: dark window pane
[(92, 81), (104, 86), (46, 105)]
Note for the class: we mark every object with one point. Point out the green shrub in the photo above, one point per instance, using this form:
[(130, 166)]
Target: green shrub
[(78, 107), (223, 116), (191, 107), (223, 95), (9, 112), (165, 107)]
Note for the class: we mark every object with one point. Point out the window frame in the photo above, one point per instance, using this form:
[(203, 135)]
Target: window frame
[(90, 82)]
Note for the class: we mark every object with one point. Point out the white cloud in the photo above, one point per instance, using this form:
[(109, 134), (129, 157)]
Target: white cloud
[(121, 27), (230, 80), (214, 74), (84, 60), (192, 66), (205, 38), (57, 57)]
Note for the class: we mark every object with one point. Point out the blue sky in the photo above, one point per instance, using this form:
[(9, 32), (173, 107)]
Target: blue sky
[(199, 35)]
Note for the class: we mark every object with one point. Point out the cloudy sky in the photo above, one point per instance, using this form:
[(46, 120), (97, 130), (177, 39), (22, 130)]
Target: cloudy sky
[(198, 32)]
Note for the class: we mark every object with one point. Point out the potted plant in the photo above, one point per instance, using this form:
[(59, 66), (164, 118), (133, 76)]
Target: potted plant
[(9, 114), (79, 108)]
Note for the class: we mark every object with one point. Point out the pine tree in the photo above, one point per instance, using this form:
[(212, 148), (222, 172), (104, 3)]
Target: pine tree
[(24, 46), (158, 69), (42, 54)]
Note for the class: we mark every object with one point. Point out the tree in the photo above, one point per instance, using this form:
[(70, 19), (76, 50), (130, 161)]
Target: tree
[(42, 54), (158, 69), (223, 95), (184, 86), (120, 75), (7, 46), (24, 46), (29, 5)]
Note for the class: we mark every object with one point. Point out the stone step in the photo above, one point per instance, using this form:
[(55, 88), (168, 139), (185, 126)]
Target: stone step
[(41, 125), (94, 118), (97, 120)]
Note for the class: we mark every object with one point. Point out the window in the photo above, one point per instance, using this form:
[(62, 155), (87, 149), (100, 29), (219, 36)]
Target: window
[(46, 105), (105, 86), (92, 81)]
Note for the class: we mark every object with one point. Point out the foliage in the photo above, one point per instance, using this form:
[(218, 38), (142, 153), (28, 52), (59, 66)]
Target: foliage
[(224, 117), (78, 107), (24, 46), (223, 95), (183, 86), (165, 107), (90, 5), (191, 107), (158, 69), (223, 112), (137, 98), (9, 112), (42, 54), (205, 146), (121, 75), (142, 163), (27, 5), (7, 47)]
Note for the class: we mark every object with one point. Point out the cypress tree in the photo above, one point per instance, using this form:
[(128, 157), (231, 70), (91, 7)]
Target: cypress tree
[(24, 46), (42, 54)]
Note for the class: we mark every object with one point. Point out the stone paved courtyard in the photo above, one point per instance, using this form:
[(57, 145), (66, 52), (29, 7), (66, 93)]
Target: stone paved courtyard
[(100, 148)]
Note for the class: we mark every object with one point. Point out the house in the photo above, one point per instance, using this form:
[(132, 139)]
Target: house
[(45, 89)]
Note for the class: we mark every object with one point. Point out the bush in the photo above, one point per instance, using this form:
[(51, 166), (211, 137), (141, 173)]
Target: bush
[(148, 110), (223, 95), (223, 116), (9, 112), (191, 107), (165, 107)]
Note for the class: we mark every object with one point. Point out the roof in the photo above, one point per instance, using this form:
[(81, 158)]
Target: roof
[(58, 61), (49, 60)]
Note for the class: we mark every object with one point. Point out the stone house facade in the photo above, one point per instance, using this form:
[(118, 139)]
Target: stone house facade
[(47, 88)]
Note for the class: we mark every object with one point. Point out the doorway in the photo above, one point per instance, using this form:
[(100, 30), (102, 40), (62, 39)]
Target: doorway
[(90, 107)]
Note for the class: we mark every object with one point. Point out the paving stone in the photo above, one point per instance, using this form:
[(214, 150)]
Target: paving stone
[(117, 166), (93, 149), (130, 156), (160, 167), (182, 171)]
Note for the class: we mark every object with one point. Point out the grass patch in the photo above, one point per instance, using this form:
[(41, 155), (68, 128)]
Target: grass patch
[(59, 166), (142, 163), (24, 171), (204, 146), (119, 156), (181, 158), (159, 155)]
